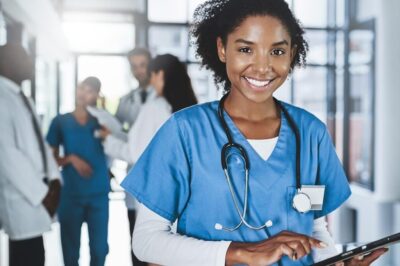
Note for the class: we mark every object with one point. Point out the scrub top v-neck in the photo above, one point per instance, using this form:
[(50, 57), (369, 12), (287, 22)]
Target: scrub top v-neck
[(78, 139)]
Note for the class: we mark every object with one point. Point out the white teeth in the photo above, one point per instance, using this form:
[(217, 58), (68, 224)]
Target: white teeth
[(258, 83)]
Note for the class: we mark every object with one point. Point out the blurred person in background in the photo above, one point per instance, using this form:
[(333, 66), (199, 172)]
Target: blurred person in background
[(129, 105), (128, 110), (174, 91), (29, 177), (84, 197)]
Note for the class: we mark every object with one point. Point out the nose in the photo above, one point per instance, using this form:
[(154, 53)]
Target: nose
[(263, 63)]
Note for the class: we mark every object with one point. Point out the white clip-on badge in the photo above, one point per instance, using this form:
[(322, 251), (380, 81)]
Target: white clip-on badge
[(309, 197)]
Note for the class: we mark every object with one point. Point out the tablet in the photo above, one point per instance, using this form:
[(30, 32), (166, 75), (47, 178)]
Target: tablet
[(362, 250)]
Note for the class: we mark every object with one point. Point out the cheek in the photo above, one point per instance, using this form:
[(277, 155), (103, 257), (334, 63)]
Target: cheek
[(236, 65)]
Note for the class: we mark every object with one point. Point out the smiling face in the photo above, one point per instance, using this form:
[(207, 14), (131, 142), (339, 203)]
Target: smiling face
[(258, 54)]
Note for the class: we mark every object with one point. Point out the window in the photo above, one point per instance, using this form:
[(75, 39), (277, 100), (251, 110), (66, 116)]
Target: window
[(311, 13), (310, 90), (168, 11), (46, 93), (169, 39), (99, 37), (67, 86), (113, 72), (100, 42)]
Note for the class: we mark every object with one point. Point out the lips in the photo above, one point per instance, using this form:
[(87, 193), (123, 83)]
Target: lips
[(257, 83)]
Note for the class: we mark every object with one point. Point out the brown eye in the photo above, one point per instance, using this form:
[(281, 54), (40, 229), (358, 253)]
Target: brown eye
[(245, 50), (278, 52)]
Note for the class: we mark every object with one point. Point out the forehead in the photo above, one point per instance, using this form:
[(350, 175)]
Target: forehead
[(261, 29), (87, 88), (138, 59)]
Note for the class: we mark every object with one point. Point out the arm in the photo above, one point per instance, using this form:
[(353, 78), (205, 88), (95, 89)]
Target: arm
[(149, 120), (320, 232), (83, 168), (15, 166), (153, 241)]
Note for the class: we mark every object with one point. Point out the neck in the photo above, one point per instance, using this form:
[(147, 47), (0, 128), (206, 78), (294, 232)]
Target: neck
[(80, 110), (11, 77), (237, 105), (144, 86)]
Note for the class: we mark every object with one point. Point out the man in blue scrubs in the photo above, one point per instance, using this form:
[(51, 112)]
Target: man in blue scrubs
[(84, 197)]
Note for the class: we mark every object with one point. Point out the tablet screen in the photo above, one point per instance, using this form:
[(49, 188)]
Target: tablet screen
[(361, 250)]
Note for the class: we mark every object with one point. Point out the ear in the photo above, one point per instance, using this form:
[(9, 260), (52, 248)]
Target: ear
[(221, 50)]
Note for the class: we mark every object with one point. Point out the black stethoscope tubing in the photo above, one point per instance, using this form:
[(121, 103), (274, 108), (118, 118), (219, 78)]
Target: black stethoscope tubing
[(232, 144)]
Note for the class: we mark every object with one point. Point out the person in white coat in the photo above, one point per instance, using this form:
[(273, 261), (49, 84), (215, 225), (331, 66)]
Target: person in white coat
[(29, 176), (128, 110)]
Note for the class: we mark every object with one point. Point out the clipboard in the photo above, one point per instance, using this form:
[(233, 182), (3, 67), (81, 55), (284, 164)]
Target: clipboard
[(361, 250)]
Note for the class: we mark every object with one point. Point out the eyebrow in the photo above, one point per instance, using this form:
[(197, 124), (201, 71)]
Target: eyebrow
[(284, 42)]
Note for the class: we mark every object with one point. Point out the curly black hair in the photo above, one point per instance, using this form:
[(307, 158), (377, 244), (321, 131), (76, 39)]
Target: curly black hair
[(219, 18)]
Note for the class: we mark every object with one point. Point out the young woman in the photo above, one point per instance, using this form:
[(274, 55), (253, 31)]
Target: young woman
[(84, 196), (239, 175)]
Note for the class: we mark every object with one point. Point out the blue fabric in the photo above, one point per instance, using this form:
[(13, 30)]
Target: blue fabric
[(179, 176), (79, 139), (72, 212)]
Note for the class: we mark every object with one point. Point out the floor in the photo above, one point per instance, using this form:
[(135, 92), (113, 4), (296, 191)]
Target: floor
[(118, 239)]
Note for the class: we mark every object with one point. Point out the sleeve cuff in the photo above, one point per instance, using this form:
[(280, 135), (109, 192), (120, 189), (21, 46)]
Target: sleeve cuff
[(221, 255), (40, 192)]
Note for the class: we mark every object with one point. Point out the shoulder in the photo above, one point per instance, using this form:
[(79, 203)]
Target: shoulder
[(196, 112), (156, 108), (62, 118), (306, 121), (129, 95)]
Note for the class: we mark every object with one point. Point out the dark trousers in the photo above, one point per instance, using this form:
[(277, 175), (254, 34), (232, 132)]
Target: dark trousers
[(27, 252), (132, 220)]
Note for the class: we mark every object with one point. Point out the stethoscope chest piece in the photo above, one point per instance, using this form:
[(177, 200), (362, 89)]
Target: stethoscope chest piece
[(301, 202)]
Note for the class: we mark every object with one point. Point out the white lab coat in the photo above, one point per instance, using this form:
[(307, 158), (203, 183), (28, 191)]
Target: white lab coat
[(151, 117), (22, 215)]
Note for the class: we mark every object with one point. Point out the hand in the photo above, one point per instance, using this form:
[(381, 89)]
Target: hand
[(269, 251), (80, 165), (364, 261), (52, 198), (103, 132)]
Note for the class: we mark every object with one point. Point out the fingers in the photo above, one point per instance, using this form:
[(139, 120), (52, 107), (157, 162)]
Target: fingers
[(298, 249), (367, 260), (286, 250), (307, 242)]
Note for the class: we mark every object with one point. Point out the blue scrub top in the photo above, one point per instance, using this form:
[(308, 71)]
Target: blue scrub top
[(179, 176), (79, 139)]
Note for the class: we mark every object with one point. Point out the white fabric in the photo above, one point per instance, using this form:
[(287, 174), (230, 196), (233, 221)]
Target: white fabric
[(264, 147), (127, 112), (154, 241), (151, 116), (22, 190), (130, 104)]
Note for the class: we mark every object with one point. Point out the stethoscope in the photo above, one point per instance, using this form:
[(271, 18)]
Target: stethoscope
[(301, 201)]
